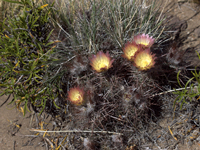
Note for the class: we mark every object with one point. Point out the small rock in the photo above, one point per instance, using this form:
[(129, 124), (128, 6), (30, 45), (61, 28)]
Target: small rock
[(117, 138), (197, 32)]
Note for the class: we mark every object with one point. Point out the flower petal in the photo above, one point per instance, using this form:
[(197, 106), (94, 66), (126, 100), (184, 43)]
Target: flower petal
[(144, 60), (101, 61), (76, 96), (129, 50), (144, 40)]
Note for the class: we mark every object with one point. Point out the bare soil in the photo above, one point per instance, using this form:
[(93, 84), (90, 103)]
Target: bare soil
[(14, 129), (185, 18)]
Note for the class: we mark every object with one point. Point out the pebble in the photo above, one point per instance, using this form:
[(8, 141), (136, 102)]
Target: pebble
[(197, 32)]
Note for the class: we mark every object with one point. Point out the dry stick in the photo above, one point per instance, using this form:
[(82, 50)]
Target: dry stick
[(180, 89), (162, 11), (76, 131), (48, 141)]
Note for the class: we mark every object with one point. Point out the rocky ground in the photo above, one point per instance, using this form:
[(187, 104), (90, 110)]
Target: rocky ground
[(174, 132)]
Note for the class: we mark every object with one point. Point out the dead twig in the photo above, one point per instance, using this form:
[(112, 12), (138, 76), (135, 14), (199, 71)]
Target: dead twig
[(170, 91), (77, 131)]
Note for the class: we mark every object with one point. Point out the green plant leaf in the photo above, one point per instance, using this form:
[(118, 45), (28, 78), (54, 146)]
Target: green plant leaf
[(25, 107), (56, 105), (43, 106), (178, 78), (17, 2), (49, 36)]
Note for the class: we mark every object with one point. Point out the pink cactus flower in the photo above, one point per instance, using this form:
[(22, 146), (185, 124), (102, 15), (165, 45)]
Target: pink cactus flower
[(76, 96), (144, 40), (101, 62), (144, 60), (129, 50)]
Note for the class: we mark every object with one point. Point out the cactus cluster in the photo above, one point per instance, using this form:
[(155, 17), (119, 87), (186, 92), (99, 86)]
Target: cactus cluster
[(113, 84), (137, 51)]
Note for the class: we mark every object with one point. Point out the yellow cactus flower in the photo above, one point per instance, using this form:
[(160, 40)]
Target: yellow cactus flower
[(76, 96), (144, 60), (144, 40), (101, 62), (129, 50)]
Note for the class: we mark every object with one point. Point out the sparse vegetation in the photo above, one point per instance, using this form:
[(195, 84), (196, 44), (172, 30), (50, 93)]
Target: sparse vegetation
[(55, 60), (25, 54)]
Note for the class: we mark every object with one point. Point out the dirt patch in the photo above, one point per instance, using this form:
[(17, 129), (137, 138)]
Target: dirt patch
[(185, 16), (14, 129), (174, 130)]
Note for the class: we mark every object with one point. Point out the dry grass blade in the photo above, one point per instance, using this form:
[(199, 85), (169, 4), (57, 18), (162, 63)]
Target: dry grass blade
[(76, 131)]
